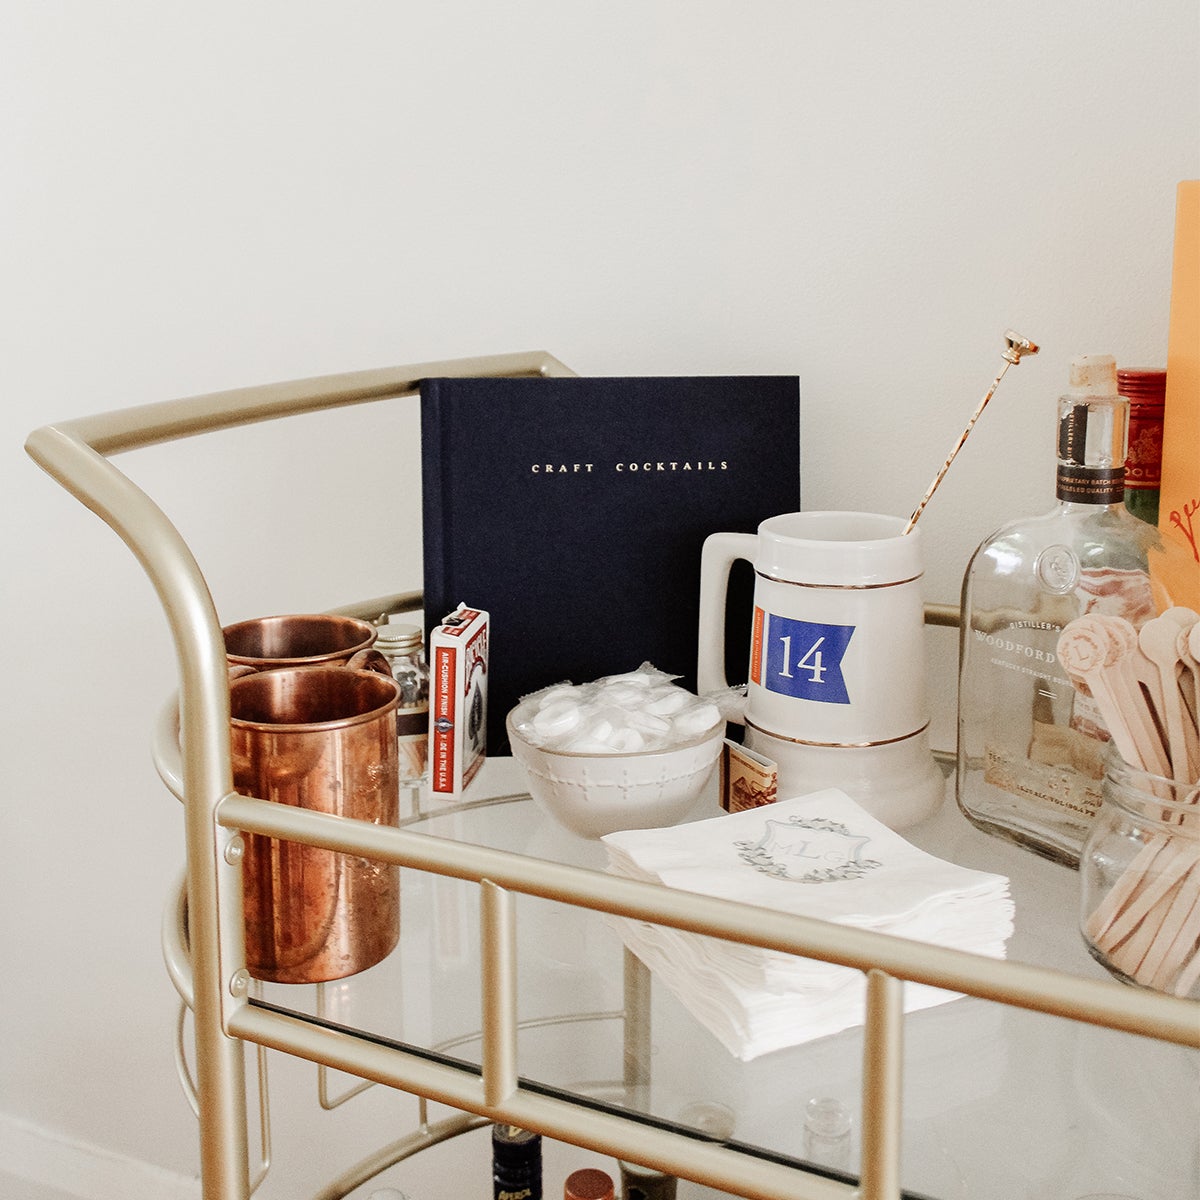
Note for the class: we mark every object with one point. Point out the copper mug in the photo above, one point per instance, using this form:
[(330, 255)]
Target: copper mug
[(322, 738), (300, 640)]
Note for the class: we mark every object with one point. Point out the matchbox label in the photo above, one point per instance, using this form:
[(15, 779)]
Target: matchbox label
[(756, 646), (442, 727), (458, 712)]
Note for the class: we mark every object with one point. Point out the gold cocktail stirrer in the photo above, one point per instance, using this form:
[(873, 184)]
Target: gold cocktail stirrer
[(1017, 347)]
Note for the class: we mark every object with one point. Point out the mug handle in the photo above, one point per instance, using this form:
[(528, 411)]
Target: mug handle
[(370, 659), (717, 557), (168, 761)]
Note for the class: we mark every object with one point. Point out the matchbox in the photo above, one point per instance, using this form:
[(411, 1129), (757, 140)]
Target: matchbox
[(458, 665)]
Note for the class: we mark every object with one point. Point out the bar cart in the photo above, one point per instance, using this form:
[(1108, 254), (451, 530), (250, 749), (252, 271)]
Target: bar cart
[(1042, 1069)]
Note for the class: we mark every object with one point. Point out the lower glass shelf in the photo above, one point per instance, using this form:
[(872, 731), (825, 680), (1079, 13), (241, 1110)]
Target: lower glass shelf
[(998, 1102)]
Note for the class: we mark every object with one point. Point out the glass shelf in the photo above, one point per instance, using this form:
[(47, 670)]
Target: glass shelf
[(998, 1102)]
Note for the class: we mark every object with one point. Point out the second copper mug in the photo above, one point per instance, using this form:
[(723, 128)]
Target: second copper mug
[(299, 640), (321, 738)]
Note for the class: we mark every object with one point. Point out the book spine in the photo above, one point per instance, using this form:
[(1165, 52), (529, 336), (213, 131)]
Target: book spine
[(435, 511)]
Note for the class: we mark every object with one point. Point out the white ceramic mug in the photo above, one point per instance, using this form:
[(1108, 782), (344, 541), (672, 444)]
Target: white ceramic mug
[(836, 694)]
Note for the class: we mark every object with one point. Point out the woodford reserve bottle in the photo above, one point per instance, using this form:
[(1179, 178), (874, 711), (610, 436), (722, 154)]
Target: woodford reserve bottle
[(1030, 748)]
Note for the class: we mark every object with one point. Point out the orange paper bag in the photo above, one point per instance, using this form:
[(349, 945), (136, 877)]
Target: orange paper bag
[(1179, 502)]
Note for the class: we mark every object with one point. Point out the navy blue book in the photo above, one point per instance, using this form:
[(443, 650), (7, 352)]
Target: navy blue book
[(574, 511)]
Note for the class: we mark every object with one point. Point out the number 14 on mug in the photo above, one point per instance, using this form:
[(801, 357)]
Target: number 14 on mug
[(801, 659)]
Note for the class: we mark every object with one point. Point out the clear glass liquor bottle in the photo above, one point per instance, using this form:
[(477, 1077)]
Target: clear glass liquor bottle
[(1030, 747)]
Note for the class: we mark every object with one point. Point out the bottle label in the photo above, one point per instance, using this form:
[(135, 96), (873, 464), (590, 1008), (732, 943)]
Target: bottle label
[(1013, 649), (413, 722), (1054, 764), (1143, 467), (1091, 485), (1072, 434), (1072, 791)]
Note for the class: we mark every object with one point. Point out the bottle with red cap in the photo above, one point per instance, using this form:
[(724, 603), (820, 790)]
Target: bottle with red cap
[(1146, 392)]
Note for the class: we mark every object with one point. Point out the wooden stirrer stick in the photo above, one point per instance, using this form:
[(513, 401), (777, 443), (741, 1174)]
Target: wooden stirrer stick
[(1189, 974), (1178, 937), (1176, 861), (1088, 649), (1159, 642)]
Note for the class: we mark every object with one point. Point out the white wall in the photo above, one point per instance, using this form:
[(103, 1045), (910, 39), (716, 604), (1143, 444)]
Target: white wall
[(200, 197)]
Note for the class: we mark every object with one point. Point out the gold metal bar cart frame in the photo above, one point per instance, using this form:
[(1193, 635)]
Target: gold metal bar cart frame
[(76, 454)]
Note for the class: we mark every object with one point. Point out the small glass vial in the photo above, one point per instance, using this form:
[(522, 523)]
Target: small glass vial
[(516, 1163), (1146, 392), (402, 646), (827, 1126), (1140, 876)]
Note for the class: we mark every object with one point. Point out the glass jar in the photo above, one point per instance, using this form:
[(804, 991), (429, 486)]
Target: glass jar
[(402, 646), (1140, 880)]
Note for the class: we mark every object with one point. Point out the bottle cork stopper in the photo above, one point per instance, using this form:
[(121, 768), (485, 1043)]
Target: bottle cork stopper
[(1094, 375), (588, 1184)]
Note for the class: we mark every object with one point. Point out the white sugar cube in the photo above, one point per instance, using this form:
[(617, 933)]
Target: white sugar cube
[(619, 714), (669, 701), (696, 721), (556, 718)]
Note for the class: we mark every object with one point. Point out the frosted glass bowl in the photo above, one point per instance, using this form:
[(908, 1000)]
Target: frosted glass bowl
[(595, 794)]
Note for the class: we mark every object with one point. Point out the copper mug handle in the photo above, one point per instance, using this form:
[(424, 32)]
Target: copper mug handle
[(370, 659)]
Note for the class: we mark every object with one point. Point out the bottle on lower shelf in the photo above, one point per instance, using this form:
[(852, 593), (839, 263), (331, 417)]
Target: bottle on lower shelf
[(589, 1183), (516, 1163), (645, 1183)]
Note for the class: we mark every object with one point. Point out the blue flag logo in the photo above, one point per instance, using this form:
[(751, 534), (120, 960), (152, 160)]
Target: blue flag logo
[(803, 659)]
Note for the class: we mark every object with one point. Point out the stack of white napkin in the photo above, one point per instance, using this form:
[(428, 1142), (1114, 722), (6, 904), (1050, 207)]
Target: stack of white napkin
[(820, 856)]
